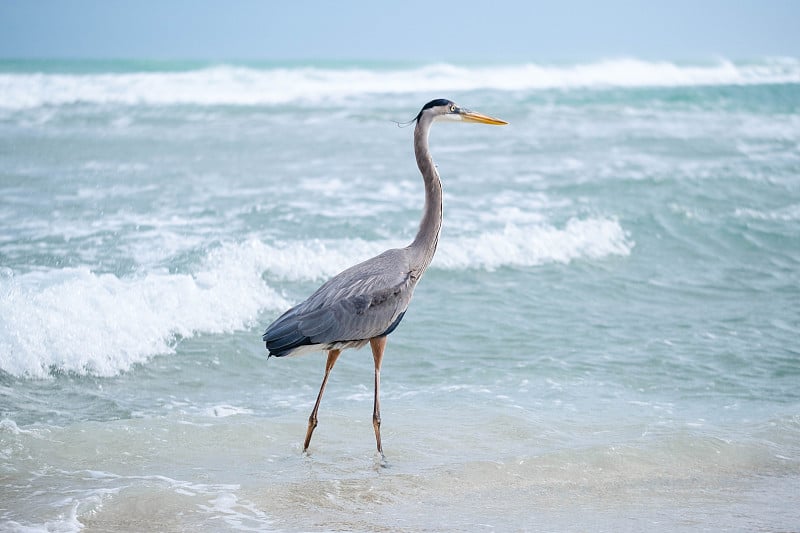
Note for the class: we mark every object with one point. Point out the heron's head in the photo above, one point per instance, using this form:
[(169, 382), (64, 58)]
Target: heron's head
[(443, 109)]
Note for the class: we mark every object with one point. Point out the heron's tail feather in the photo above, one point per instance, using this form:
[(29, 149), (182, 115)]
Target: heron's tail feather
[(283, 336)]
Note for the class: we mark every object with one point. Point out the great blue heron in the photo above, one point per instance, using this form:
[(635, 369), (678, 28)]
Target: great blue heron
[(366, 302)]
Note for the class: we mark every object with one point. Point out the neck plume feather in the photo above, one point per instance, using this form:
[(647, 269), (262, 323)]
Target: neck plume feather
[(424, 245)]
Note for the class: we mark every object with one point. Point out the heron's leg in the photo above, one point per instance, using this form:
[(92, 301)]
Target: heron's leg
[(378, 344), (312, 420)]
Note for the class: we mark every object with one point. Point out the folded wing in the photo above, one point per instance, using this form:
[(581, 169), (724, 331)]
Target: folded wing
[(365, 301)]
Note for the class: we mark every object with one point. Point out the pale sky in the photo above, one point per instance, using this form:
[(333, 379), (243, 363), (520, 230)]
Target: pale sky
[(443, 30)]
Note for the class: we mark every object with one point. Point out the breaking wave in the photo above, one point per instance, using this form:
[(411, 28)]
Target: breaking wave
[(245, 85), (76, 320)]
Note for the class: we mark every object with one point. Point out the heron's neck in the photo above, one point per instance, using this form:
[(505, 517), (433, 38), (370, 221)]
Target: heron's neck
[(424, 245)]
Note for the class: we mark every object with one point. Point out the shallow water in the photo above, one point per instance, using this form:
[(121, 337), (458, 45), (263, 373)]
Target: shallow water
[(606, 339)]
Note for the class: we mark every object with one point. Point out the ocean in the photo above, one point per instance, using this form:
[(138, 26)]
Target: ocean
[(606, 340)]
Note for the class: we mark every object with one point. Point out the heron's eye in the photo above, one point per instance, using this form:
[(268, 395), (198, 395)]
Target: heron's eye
[(452, 108)]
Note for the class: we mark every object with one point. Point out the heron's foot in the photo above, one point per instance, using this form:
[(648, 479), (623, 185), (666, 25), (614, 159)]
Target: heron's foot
[(380, 461)]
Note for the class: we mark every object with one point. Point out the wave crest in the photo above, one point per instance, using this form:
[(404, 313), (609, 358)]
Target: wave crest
[(241, 85), (592, 238), (75, 320)]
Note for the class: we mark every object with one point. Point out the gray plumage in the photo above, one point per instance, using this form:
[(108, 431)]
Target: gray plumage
[(358, 304), (366, 302)]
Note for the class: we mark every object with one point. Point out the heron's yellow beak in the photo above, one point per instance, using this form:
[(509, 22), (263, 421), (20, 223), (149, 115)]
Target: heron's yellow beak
[(480, 118)]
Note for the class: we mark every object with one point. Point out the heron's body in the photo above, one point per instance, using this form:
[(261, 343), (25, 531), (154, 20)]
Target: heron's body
[(343, 315), (366, 302)]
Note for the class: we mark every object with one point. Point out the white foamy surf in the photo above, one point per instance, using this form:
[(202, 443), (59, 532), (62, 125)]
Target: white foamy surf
[(76, 320), (79, 321), (514, 245), (517, 246), (243, 85)]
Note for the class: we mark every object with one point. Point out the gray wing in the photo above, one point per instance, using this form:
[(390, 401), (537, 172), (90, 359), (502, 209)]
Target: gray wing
[(365, 301)]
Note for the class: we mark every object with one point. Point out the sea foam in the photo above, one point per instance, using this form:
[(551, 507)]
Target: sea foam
[(521, 246), (76, 320), (243, 85)]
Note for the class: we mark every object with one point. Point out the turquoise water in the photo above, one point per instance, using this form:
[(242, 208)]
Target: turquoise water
[(606, 339)]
